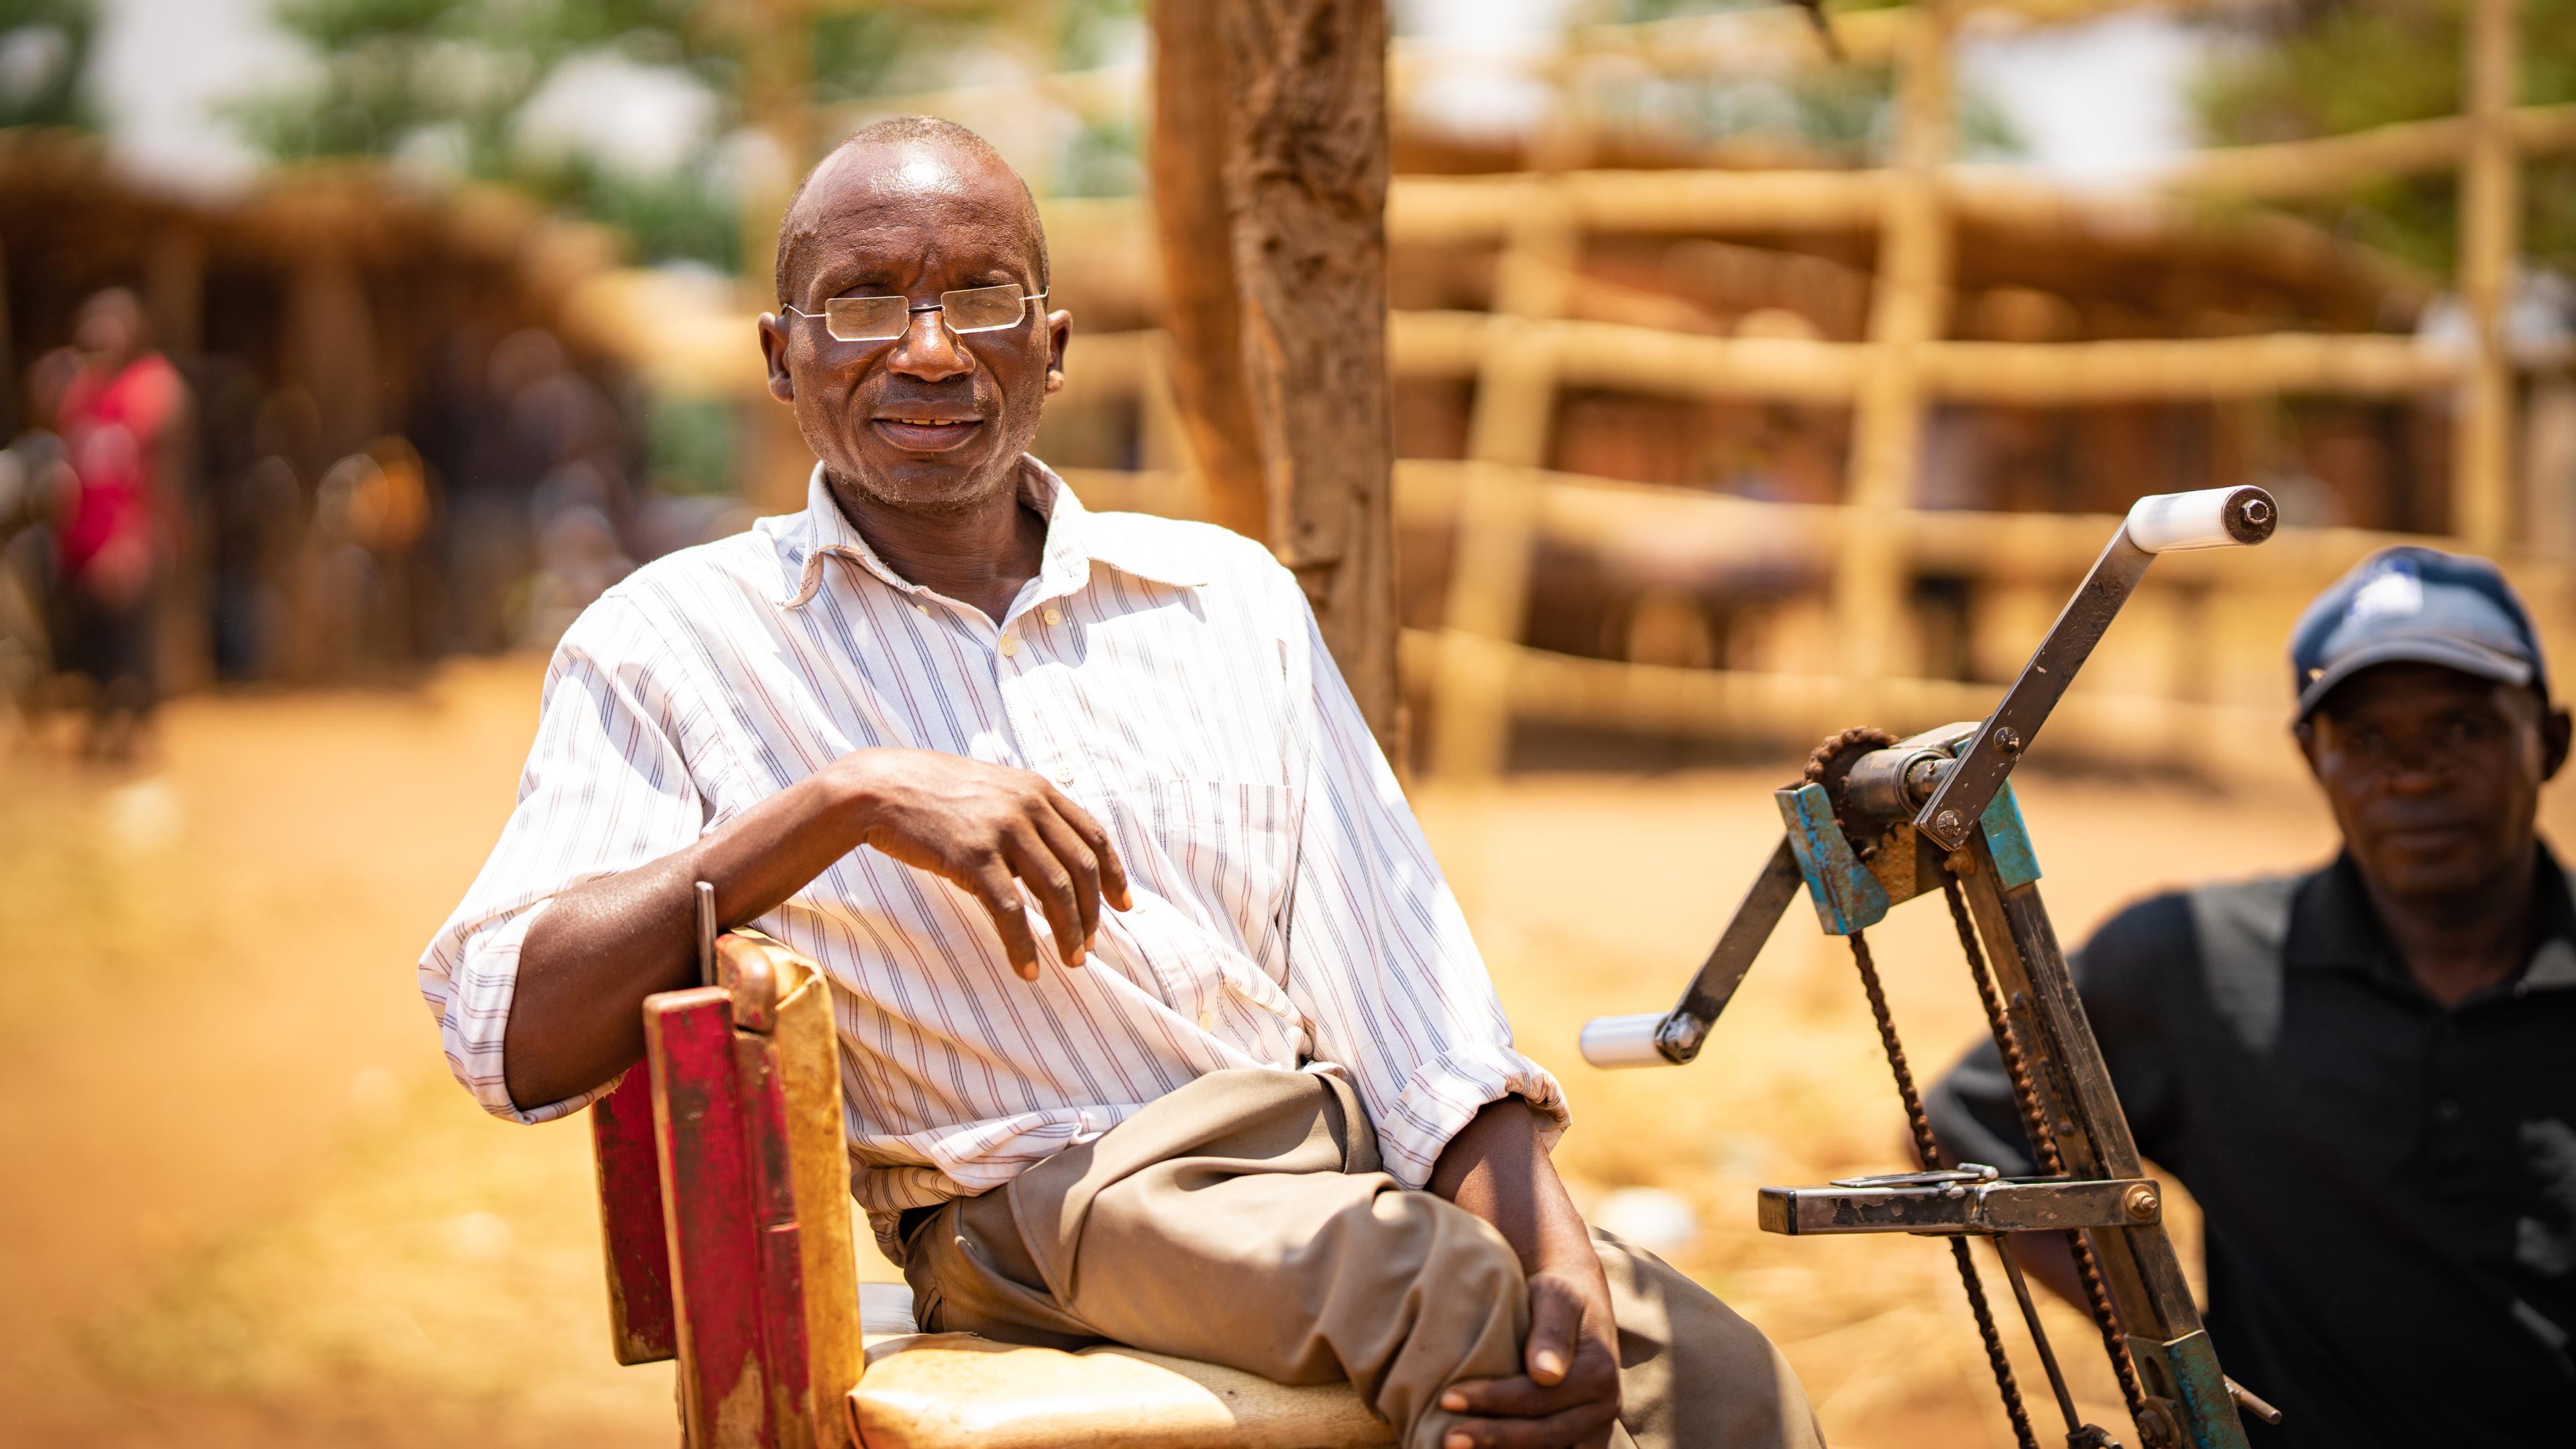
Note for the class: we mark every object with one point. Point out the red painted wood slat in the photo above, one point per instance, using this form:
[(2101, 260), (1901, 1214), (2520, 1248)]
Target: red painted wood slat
[(773, 1190), (635, 1240), (715, 1244)]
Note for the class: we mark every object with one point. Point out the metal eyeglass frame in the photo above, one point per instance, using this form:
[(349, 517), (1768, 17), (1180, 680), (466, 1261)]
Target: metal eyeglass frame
[(910, 312)]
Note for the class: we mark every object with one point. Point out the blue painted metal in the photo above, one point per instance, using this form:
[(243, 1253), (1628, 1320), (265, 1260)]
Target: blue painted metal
[(1848, 898), (2188, 1367), (2016, 864)]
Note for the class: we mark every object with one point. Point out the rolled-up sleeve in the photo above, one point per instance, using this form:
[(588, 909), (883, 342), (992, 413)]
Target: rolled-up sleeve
[(606, 788), (1379, 958)]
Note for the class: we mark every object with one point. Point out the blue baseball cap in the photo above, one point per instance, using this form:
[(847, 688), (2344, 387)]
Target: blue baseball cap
[(2419, 606)]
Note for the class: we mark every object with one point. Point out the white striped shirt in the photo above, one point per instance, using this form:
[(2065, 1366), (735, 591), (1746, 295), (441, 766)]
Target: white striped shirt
[(1167, 676)]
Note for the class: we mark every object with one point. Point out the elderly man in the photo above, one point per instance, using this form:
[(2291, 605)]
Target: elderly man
[(1263, 1109), (2367, 1073)]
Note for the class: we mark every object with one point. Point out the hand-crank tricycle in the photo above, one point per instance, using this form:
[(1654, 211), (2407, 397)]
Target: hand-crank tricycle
[(1878, 821)]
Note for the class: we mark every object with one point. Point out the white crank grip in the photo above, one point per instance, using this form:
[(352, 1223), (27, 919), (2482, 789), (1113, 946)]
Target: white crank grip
[(2202, 518), (1623, 1041)]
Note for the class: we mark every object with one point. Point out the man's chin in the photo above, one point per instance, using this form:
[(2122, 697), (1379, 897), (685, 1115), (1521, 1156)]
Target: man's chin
[(2430, 875), (909, 479)]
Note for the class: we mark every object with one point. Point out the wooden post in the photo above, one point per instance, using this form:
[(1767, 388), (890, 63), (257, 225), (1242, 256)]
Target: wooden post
[(1497, 519), (174, 289), (1906, 312), (2482, 511), (777, 78), (331, 345), (1305, 179), (1202, 307), (13, 392)]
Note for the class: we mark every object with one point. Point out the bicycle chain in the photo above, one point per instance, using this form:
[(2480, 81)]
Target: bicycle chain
[(1820, 771), (2044, 1146)]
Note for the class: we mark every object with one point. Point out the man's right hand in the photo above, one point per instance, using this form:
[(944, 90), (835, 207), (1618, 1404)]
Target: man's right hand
[(989, 829), (604, 945)]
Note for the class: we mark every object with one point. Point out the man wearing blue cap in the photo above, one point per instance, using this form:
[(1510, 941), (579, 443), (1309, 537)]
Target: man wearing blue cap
[(2367, 1073)]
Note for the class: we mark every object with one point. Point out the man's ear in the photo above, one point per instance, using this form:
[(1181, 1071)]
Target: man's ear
[(773, 352), (2305, 732), (2554, 731), (1059, 333)]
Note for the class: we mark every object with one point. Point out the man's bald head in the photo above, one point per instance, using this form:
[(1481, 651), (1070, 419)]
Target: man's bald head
[(873, 149)]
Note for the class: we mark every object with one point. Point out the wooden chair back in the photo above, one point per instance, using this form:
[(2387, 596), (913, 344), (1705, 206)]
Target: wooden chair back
[(736, 1113)]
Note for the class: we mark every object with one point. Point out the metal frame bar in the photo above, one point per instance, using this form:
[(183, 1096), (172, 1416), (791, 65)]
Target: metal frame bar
[(2043, 1205), (2139, 1265), (1966, 788)]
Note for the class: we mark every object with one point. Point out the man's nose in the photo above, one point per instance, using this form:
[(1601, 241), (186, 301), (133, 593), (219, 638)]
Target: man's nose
[(928, 350), (2420, 767)]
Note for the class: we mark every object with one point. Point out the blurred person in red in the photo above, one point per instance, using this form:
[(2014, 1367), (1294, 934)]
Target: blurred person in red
[(120, 420)]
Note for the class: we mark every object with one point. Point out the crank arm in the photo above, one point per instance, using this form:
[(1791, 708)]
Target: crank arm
[(1672, 1038), (2157, 523)]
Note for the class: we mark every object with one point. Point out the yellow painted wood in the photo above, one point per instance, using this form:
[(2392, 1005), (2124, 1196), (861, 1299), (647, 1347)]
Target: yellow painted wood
[(957, 1391), (808, 1063)]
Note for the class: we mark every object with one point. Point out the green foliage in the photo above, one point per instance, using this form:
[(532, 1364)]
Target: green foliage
[(2322, 70), (683, 216), (1103, 158), (862, 54), (450, 77), (44, 62), (1635, 11), (1093, 30), (688, 444), (1844, 112)]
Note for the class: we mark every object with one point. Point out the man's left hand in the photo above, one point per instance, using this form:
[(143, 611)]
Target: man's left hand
[(1568, 1395)]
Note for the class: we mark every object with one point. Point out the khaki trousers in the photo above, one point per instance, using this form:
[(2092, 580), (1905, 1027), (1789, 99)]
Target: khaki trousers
[(1242, 1220)]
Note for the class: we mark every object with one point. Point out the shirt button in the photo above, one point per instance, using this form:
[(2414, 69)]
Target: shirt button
[(1053, 615), (1207, 1021), (1064, 776), (1009, 646)]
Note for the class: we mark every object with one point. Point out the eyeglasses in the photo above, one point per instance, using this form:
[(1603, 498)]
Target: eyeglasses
[(883, 319)]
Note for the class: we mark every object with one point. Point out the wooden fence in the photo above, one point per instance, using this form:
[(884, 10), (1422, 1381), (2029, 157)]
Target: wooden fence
[(1522, 353)]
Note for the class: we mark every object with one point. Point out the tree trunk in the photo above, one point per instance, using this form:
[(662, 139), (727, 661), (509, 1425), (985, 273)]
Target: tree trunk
[(1305, 182), (1202, 308)]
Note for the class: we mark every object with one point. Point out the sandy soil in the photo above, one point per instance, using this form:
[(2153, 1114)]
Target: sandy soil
[(245, 1204)]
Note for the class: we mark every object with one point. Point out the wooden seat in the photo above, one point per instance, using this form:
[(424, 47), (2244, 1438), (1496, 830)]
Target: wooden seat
[(724, 1199), (954, 1390)]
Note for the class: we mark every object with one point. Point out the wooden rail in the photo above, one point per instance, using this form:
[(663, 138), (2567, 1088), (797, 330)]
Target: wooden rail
[(2036, 556), (1524, 351), (1607, 515), (2225, 741), (1674, 364)]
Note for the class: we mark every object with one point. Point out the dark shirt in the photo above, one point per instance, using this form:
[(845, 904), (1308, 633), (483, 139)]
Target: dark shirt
[(2388, 1185)]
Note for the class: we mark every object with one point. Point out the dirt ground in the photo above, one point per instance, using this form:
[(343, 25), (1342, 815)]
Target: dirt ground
[(244, 1203)]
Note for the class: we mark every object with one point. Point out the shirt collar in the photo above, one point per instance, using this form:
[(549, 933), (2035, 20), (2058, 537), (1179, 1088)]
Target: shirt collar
[(2334, 927), (1076, 539)]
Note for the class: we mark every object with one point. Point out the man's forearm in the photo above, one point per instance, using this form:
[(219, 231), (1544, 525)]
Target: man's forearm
[(600, 948), (1496, 1169)]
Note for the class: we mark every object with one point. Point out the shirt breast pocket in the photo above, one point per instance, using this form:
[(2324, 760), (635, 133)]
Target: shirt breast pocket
[(1223, 855)]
